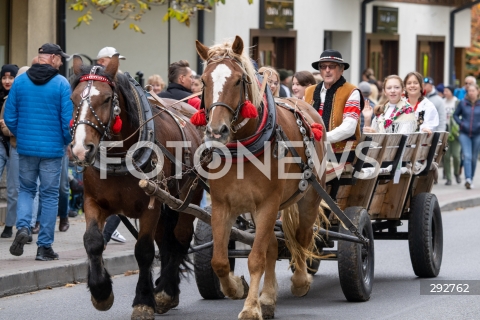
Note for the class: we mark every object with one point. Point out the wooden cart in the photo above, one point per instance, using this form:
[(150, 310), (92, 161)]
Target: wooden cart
[(376, 206)]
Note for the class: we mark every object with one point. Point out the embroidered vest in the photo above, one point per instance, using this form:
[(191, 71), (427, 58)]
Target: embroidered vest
[(339, 100)]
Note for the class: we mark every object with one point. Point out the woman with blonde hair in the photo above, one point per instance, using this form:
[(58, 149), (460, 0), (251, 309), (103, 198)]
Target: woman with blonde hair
[(273, 79), (394, 113), (157, 83)]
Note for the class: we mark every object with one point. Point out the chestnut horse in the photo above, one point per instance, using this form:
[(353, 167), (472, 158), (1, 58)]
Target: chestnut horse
[(229, 80), (97, 94)]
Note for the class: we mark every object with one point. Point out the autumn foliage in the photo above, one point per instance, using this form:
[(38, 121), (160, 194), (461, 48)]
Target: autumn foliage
[(473, 53)]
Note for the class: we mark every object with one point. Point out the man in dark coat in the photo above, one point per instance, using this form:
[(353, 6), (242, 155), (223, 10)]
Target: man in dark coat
[(180, 83)]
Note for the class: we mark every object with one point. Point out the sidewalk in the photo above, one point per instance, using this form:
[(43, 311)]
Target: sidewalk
[(24, 274)]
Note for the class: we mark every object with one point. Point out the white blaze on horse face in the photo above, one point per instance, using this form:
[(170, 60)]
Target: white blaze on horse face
[(79, 149), (219, 77)]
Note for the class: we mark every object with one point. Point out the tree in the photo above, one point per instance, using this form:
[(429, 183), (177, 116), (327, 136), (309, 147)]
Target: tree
[(473, 53), (121, 10)]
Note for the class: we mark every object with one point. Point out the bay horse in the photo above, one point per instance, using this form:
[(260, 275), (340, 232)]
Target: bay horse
[(229, 81), (99, 96)]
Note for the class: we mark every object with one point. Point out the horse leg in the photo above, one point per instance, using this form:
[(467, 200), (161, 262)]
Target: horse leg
[(257, 261), (308, 208), (99, 281), (144, 302), (232, 286), (268, 296), (176, 237)]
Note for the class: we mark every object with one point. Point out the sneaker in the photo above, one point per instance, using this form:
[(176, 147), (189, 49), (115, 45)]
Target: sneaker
[(7, 232), (46, 254), (448, 183), (116, 236), (468, 184), (21, 238), (30, 239)]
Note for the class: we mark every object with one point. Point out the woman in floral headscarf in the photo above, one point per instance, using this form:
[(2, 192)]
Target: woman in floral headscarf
[(393, 114)]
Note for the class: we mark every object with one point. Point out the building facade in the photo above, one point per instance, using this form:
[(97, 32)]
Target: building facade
[(417, 39)]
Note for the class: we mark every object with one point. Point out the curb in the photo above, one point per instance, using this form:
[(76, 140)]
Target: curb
[(59, 276), (466, 203)]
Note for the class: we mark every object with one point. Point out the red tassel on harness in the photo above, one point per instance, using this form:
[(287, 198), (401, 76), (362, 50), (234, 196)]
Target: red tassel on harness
[(71, 123), (199, 118), (117, 125), (317, 130), (248, 110)]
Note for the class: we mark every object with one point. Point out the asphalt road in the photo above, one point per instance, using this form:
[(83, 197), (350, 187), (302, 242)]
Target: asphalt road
[(396, 292)]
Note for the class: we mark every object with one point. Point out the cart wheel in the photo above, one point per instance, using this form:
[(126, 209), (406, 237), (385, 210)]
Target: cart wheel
[(425, 235), (207, 281), (356, 261)]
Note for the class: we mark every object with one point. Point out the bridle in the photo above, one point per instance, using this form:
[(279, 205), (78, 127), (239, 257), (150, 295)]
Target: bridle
[(103, 129), (243, 94)]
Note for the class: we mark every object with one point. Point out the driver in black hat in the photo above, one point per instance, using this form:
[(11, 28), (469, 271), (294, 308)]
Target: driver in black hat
[(337, 101)]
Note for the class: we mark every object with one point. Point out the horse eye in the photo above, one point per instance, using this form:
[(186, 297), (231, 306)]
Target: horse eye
[(108, 100), (238, 82)]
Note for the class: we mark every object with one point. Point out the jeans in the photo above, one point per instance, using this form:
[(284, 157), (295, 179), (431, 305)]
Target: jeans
[(64, 191), (3, 159), (13, 184), (110, 226), (48, 170), (470, 148)]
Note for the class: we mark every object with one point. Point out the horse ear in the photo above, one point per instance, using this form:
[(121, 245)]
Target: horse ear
[(112, 67), (77, 64), (237, 45), (202, 50)]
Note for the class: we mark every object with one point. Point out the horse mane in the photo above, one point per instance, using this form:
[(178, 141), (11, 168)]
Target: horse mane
[(224, 50), (122, 85)]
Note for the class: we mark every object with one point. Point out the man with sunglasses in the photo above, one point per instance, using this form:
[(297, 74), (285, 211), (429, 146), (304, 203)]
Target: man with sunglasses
[(337, 101)]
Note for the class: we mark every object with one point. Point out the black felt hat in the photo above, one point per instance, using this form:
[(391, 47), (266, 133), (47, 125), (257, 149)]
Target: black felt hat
[(330, 55)]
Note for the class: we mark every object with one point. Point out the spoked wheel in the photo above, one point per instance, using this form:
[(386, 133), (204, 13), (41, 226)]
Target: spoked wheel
[(207, 281), (355, 260), (425, 235)]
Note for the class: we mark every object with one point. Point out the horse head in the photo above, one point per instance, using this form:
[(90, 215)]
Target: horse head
[(95, 109), (229, 85)]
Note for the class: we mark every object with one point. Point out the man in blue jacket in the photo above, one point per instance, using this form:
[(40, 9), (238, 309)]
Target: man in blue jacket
[(38, 112)]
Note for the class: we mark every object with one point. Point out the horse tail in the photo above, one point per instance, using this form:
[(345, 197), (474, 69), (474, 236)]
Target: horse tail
[(290, 222)]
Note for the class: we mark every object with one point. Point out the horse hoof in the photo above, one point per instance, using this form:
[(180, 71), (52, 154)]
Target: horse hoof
[(300, 291), (268, 311), (103, 305), (164, 302), (250, 315), (143, 312), (245, 287)]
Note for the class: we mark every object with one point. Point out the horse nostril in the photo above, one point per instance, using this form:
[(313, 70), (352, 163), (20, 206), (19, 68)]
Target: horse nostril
[(90, 148), (224, 130)]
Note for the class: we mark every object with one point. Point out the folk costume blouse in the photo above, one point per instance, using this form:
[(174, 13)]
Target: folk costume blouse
[(426, 114), (396, 118)]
